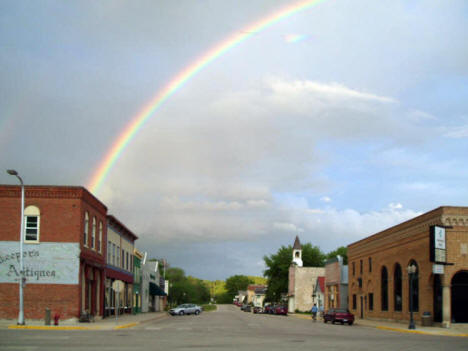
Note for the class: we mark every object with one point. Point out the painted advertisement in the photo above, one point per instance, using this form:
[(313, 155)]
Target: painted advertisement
[(43, 263)]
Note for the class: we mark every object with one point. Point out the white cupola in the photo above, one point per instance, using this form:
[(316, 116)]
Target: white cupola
[(297, 252)]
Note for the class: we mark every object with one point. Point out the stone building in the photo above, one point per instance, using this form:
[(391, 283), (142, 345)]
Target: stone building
[(336, 284), (302, 281), (64, 251), (435, 245)]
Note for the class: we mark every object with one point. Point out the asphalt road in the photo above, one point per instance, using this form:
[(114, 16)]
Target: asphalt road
[(229, 329)]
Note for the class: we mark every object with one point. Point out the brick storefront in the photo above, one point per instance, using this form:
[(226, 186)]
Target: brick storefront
[(64, 272), (378, 278)]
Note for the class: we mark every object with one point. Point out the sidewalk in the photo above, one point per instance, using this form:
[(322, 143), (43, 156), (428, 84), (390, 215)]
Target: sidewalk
[(110, 323), (459, 330)]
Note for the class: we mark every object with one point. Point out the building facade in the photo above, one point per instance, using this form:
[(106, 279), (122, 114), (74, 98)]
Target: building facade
[(64, 251), (435, 246), (301, 282), (137, 259), (318, 296), (119, 266), (336, 284)]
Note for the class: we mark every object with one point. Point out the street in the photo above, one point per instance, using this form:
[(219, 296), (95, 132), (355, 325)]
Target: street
[(229, 329)]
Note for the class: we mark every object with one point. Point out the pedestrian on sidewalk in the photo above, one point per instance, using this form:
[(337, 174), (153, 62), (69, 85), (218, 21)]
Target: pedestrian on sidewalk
[(314, 312)]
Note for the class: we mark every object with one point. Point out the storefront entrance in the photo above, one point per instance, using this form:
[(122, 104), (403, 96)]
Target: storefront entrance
[(460, 297)]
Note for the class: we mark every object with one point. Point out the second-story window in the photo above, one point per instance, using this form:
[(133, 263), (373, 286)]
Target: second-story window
[(93, 233), (370, 264), (99, 242), (86, 229), (113, 254), (360, 266), (31, 224), (109, 252), (127, 262), (354, 269)]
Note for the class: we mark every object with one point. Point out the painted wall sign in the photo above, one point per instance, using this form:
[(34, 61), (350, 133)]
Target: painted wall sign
[(44, 263)]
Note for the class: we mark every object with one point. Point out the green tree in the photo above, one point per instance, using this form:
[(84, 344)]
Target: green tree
[(278, 264), (342, 251), (236, 283)]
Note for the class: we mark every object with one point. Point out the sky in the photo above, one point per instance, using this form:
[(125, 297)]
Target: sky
[(333, 124)]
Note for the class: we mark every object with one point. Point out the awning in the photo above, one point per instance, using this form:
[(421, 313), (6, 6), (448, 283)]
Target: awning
[(156, 290)]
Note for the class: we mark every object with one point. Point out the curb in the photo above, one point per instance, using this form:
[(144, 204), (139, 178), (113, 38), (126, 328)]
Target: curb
[(98, 327), (420, 331)]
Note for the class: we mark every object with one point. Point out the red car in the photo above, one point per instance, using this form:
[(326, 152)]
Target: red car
[(268, 309), (338, 315), (281, 310)]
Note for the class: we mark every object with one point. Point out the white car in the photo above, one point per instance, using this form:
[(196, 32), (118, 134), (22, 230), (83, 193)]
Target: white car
[(186, 308)]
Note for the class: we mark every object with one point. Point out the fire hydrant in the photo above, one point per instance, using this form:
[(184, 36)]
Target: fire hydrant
[(56, 319)]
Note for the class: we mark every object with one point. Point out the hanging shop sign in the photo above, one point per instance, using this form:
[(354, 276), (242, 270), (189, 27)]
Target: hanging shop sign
[(43, 263), (438, 251)]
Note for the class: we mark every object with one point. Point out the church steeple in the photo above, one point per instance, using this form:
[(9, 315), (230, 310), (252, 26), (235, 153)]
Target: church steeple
[(297, 252)]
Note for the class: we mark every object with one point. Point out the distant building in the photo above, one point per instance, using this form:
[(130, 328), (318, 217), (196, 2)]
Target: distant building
[(435, 245), (259, 297), (120, 256), (251, 288), (336, 284), (318, 296), (137, 259), (302, 281)]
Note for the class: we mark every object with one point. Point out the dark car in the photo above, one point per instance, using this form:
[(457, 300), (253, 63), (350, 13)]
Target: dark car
[(244, 306), (338, 315), (247, 308), (268, 309), (257, 309), (281, 309)]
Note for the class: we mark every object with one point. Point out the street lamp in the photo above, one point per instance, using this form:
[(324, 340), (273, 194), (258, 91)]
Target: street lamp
[(22, 279), (411, 272)]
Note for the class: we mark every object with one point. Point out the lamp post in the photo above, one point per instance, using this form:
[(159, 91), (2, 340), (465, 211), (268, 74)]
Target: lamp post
[(22, 279), (411, 272)]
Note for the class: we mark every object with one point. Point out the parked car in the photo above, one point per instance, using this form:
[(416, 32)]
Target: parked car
[(248, 308), (281, 309), (268, 309), (257, 309), (186, 308), (338, 315), (243, 306)]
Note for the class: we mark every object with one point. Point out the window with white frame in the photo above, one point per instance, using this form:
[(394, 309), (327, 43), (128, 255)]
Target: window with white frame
[(86, 229), (117, 251), (113, 254), (93, 233), (31, 224), (99, 243), (109, 252)]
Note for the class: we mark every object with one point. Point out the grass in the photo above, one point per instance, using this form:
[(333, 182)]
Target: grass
[(209, 308)]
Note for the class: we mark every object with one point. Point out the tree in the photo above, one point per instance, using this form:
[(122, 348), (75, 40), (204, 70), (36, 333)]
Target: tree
[(186, 289), (236, 283), (278, 265), (342, 251)]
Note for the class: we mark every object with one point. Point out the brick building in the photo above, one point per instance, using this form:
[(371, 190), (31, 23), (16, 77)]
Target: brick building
[(301, 281), (64, 251), (336, 284), (436, 244)]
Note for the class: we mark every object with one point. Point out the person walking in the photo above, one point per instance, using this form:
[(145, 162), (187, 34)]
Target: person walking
[(314, 312)]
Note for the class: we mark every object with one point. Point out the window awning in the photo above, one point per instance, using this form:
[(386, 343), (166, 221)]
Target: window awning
[(156, 290)]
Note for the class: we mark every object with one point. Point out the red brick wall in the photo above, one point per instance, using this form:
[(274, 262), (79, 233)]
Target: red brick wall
[(62, 299)]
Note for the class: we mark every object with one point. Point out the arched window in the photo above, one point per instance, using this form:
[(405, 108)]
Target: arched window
[(32, 217), (99, 243), (415, 283), (384, 286), (397, 288), (93, 233), (86, 229)]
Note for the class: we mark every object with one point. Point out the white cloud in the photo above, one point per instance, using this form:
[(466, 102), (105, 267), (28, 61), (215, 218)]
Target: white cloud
[(325, 199)]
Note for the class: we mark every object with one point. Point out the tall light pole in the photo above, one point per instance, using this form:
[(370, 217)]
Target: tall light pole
[(411, 272), (22, 279)]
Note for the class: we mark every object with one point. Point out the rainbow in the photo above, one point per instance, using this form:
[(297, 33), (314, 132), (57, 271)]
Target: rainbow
[(180, 79)]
